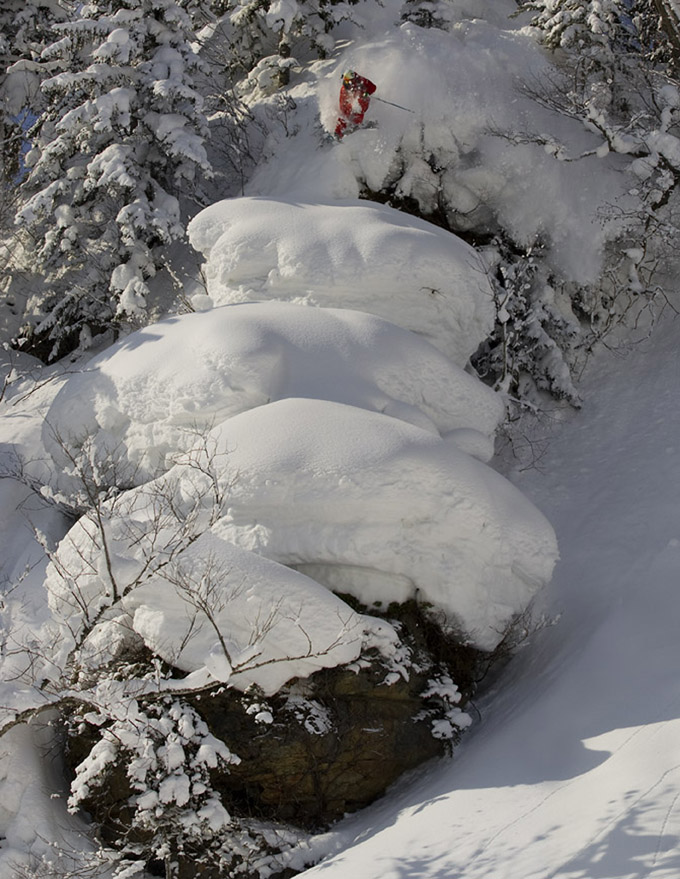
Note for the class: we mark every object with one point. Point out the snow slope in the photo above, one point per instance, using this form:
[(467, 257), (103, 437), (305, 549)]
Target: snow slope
[(574, 772)]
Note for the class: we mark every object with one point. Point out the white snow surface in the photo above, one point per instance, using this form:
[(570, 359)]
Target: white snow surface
[(146, 397), (574, 770), (348, 254), (269, 623), (373, 505), (319, 483), (30, 819)]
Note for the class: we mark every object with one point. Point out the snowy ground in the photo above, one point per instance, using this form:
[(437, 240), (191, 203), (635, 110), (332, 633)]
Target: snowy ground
[(575, 770)]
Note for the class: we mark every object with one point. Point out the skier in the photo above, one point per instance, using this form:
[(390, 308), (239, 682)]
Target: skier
[(355, 96)]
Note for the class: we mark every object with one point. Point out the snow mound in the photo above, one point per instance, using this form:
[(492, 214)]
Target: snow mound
[(351, 254), (206, 606), (146, 398), (364, 502), (382, 509), (266, 623)]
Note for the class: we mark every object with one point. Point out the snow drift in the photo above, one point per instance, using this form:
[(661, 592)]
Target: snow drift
[(366, 503), (351, 254), (146, 398)]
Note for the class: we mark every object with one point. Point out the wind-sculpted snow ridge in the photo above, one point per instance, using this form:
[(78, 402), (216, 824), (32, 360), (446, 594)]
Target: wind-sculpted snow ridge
[(147, 397), (350, 254)]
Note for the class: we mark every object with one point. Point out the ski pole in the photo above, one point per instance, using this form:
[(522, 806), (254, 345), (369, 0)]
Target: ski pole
[(398, 106)]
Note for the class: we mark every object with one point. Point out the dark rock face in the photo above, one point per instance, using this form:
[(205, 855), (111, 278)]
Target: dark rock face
[(321, 747), (335, 743), (338, 740)]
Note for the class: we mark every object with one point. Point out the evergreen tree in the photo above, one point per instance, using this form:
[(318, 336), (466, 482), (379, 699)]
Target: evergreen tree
[(587, 25), (122, 134), (25, 28), (600, 43), (427, 13), (249, 31), (657, 24)]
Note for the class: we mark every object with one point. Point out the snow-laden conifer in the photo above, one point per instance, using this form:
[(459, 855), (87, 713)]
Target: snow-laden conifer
[(588, 25), (25, 29), (248, 32), (122, 136)]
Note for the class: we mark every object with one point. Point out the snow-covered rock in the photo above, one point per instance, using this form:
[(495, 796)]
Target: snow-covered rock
[(351, 254), (145, 399), (320, 438), (362, 502), (245, 619), (383, 509)]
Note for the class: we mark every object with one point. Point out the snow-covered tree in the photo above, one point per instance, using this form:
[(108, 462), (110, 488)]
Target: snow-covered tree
[(531, 346), (121, 137), (25, 29), (612, 78), (658, 26), (600, 45), (172, 813), (248, 32), (427, 13), (589, 25)]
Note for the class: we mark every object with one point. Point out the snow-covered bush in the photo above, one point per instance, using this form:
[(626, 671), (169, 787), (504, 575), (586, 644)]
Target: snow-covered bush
[(168, 754), (428, 13), (590, 26), (530, 351)]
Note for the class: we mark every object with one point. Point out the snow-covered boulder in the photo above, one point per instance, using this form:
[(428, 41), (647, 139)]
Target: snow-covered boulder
[(244, 619), (145, 399), (382, 509), (351, 254), (362, 502)]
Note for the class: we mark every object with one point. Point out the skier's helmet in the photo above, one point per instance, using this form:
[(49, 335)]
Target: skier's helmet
[(348, 76)]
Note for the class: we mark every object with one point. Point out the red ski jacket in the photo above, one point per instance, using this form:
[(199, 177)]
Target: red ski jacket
[(355, 96)]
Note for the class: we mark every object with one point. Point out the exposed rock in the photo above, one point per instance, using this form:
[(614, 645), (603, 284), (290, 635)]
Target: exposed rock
[(335, 743), (323, 746)]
